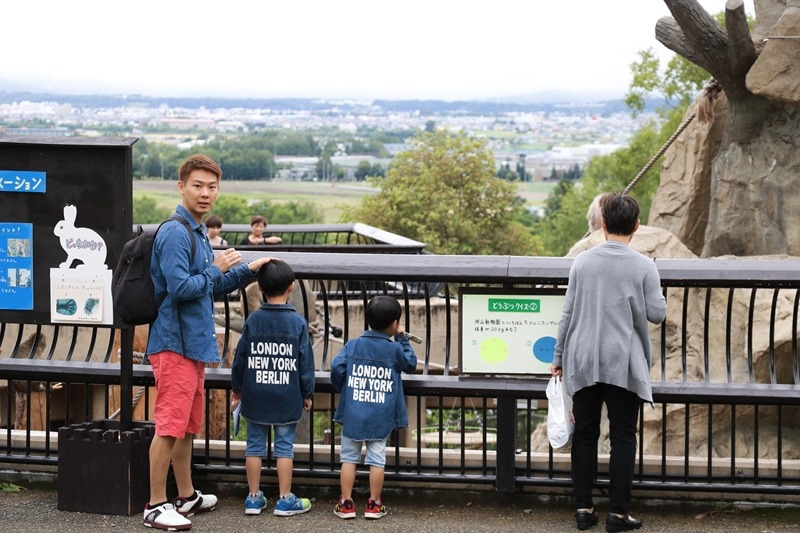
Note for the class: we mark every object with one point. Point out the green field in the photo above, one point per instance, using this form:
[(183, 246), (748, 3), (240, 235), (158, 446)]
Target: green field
[(329, 197)]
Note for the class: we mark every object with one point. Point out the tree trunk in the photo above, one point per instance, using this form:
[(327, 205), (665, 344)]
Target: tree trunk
[(754, 178)]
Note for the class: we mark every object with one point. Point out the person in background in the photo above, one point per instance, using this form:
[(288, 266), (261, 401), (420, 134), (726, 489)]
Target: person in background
[(594, 215), (257, 236), (603, 352), (214, 225), (180, 345), (273, 389), (366, 372)]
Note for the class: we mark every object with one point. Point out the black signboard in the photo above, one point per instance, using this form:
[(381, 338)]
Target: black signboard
[(39, 178)]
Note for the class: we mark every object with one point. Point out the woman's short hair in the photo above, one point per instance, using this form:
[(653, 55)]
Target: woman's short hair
[(620, 213), (214, 221), (257, 219)]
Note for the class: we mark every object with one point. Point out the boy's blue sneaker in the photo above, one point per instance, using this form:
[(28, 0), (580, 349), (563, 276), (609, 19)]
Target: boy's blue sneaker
[(254, 504), (291, 505)]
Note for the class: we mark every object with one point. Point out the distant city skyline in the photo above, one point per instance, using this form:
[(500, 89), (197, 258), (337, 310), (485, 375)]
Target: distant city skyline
[(352, 49)]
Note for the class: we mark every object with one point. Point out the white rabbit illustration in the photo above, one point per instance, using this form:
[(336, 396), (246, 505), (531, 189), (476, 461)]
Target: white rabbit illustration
[(83, 244)]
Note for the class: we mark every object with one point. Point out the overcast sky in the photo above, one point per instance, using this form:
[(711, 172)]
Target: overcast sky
[(415, 49)]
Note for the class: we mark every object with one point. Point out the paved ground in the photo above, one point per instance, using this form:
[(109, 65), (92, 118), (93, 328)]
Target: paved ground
[(35, 509)]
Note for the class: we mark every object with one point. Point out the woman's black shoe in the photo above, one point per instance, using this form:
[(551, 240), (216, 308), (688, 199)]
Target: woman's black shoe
[(585, 519), (614, 524)]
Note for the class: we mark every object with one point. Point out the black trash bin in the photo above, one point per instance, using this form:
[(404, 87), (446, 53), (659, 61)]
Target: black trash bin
[(104, 470)]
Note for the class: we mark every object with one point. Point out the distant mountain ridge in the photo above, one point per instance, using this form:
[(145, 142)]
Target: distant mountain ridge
[(545, 101), (555, 97)]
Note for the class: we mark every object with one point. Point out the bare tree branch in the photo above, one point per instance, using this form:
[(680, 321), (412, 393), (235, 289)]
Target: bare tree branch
[(671, 35), (695, 35), (742, 50)]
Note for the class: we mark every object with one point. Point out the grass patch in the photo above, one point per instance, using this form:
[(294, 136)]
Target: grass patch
[(789, 515), (9, 487), (330, 197)]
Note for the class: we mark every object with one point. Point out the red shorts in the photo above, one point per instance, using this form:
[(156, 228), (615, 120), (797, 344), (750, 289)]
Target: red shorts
[(180, 383)]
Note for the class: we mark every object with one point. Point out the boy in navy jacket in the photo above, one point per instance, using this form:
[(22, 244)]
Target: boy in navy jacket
[(273, 377), (367, 374)]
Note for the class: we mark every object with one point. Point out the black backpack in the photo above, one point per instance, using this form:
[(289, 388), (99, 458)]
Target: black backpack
[(132, 287)]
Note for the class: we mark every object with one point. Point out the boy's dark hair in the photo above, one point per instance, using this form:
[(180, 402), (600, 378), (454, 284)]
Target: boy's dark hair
[(381, 311), (620, 213), (214, 221), (275, 278)]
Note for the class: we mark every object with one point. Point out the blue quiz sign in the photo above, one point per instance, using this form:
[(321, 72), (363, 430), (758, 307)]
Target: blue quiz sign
[(16, 266)]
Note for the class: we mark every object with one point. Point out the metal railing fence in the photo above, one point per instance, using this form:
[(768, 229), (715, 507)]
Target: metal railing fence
[(725, 381)]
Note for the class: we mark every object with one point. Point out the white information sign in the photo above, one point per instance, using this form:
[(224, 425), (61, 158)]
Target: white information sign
[(508, 331)]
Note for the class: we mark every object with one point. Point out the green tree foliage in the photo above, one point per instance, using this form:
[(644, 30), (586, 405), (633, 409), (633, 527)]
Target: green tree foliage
[(235, 210), (366, 146), (378, 171), (505, 173), (146, 211), (326, 170), (289, 212), (154, 160), (297, 144), (443, 192), (678, 85), (565, 215), (365, 170), (246, 157), (523, 174), (251, 156), (574, 172), (232, 209)]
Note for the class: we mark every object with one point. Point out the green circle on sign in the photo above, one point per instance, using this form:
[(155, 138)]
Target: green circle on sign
[(494, 350)]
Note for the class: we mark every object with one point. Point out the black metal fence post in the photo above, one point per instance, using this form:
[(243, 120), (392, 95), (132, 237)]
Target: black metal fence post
[(506, 443), (126, 379)]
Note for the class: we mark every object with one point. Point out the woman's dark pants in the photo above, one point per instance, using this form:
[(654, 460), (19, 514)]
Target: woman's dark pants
[(623, 414)]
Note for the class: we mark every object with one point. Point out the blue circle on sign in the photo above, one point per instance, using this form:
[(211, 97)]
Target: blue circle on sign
[(543, 349)]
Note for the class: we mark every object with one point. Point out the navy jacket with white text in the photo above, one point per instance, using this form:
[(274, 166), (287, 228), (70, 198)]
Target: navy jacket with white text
[(273, 368)]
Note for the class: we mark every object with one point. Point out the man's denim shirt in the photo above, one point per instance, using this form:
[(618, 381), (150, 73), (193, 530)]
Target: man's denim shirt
[(190, 286)]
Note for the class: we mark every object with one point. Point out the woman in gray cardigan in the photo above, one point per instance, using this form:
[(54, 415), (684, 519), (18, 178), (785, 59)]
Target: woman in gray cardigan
[(603, 353)]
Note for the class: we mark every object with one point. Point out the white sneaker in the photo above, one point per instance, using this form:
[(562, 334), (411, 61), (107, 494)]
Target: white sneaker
[(165, 517), (202, 503)]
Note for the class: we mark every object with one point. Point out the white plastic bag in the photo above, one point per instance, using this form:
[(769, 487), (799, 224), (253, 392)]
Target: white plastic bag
[(560, 423)]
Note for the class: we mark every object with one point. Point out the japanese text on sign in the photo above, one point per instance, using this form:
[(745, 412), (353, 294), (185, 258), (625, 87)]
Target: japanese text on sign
[(16, 265), (508, 331), (513, 305), (23, 181)]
